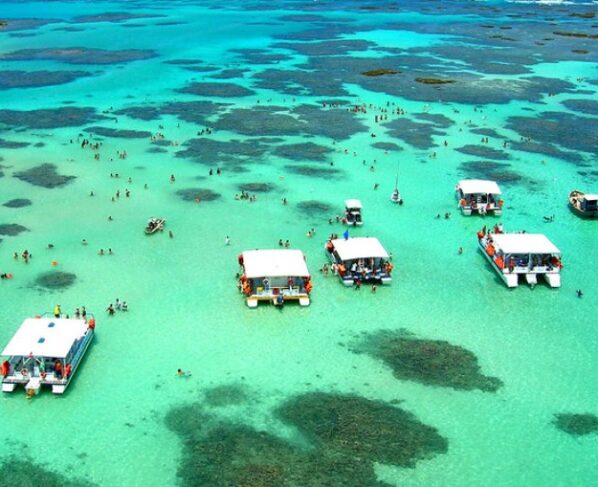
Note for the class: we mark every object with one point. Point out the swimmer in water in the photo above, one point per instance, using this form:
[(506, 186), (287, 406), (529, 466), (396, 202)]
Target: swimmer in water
[(181, 373)]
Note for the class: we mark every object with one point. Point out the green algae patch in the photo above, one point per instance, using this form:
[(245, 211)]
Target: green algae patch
[(435, 81), (576, 424), (197, 194), (256, 187), (379, 72), (16, 472), (12, 229), (314, 207), (429, 362), (55, 280), (226, 395), (44, 175), (225, 454), (17, 203), (580, 35), (362, 428)]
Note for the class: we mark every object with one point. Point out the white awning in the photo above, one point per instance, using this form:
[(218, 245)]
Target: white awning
[(590, 197), (524, 243), (45, 337), (274, 263), (478, 186), (350, 204), (359, 248)]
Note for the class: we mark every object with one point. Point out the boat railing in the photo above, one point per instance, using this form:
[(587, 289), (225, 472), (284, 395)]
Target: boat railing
[(275, 291)]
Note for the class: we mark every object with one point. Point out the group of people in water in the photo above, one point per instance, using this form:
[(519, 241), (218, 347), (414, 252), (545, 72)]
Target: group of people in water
[(118, 305), (244, 195)]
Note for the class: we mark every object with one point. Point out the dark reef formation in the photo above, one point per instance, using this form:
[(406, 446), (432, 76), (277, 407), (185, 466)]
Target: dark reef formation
[(44, 175), (429, 362), (55, 280), (576, 424)]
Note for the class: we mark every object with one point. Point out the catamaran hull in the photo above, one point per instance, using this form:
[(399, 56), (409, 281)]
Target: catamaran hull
[(511, 279)]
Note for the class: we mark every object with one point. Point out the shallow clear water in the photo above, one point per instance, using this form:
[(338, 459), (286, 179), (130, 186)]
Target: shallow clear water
[(185, 310)]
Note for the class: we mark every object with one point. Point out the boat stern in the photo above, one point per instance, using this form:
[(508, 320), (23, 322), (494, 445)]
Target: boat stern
[(553, 279)]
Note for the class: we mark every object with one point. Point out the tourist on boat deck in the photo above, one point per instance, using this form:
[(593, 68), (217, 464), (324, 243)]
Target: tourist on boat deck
[(58, 369), (5, 368)]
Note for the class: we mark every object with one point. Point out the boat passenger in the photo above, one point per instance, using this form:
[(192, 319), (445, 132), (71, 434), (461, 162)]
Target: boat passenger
[(58, 369), (5, 368)]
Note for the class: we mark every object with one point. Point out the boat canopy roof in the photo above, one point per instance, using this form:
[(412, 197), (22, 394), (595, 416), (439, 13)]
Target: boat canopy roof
[(359, 248), (45, 337), (475, 186), (524, 243), (590, 197), (274, 263), (353, 204)]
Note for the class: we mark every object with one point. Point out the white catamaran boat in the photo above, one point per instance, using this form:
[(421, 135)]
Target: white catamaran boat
[(360, 259), (45, 351), (274, 275), (353, 213), (522, 254), (479, 195)]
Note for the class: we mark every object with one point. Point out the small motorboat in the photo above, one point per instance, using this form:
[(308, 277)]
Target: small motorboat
[(154, 225), (585, 205), (353, 215)]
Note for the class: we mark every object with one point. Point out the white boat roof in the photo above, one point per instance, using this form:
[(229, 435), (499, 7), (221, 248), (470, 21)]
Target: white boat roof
[(359, 248), (353, 204), (45, 337), (524, 243), (475, 186), (590, 197), (274, 263)]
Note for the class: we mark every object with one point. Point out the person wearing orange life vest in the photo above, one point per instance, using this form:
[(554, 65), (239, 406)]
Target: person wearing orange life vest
[(58, 369), (5, 368)]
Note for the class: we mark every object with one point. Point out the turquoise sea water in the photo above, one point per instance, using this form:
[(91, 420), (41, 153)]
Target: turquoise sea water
[(185, 310)]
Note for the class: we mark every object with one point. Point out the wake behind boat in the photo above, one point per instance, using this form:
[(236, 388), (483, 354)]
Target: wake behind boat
[(584, 205), (154, 225)]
